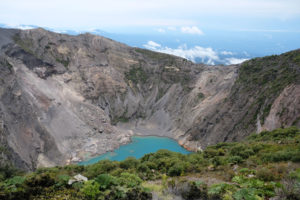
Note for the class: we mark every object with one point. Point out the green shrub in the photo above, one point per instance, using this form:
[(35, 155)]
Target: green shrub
[(296, 157), (14, 188), (117, 172), (216, 161), (137, 193), (210, 153), (62, 180), (150, 165), (163, 153), (197, 190), (235, 159), (265, 174), (46, 170), (263, 189), (216, 191), (246, 171), (258, 146), (176, 170), (129, 162), (241, 150), (102, 167), (118, 192), (74, 169), (283, 155), (8, 171), (276, 135), (130, 180), (164, 163), (90, 189), (16, 180), (143, 168), (246, 194), (41, 180), (196, 158), (106, 181)]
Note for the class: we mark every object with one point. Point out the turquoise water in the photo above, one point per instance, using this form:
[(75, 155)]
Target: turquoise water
[(138, 148)]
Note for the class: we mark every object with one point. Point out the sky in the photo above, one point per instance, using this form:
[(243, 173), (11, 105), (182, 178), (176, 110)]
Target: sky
[(210, 31)]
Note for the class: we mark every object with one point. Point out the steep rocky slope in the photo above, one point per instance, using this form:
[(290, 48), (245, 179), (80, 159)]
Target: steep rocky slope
[(264, 96), (65, 98)]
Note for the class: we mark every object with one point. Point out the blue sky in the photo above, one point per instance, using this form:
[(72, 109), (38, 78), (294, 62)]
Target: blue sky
[(199, 30)]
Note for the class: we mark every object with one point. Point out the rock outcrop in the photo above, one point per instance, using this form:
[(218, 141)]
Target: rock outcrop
[(66, 98)]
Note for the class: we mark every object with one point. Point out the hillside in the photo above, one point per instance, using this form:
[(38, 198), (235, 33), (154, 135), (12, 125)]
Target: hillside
[(67, 98), (264, 166)]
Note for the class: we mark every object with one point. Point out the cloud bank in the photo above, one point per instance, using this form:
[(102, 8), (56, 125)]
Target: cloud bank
[(233, 61), (197, 54)]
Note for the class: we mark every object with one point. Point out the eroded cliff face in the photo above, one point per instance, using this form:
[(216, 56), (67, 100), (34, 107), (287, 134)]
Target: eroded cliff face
[(285, 110), (66, 98)]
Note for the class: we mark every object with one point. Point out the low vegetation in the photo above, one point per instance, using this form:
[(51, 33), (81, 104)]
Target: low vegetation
[(265, 165), (136, 74), (25, 44)]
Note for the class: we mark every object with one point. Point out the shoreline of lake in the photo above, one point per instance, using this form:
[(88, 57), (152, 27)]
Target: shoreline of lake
[(138, 146)]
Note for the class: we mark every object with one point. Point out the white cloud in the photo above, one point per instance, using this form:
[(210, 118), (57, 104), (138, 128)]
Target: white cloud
[(197, 53), (152, 45), (207, 55), (226, 53), (191, 30), (234, 61)]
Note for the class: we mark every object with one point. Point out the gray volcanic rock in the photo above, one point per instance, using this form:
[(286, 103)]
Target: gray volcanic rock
[(67, 98)]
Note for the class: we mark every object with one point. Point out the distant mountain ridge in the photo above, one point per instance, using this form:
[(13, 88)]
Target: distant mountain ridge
[(206, 55), (66, 98)]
